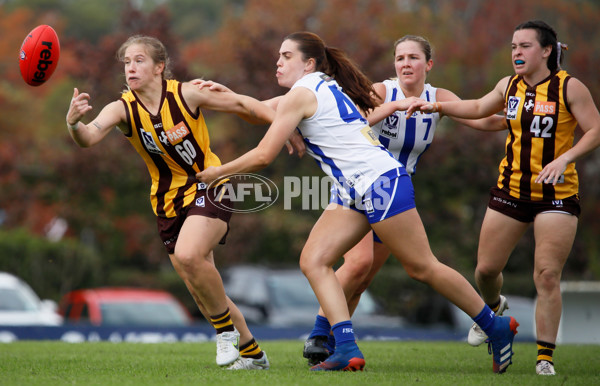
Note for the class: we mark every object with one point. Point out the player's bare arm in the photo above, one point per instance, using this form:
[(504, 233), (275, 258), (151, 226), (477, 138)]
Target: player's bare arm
[(296, 105), (585, 112), (246, 107), (86, 135), (491, 103), (494, 122)]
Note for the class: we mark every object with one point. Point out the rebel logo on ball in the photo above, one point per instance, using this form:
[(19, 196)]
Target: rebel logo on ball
[(39, 55)]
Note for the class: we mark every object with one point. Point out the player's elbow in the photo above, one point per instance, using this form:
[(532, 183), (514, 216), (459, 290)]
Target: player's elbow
[(79, 142), (84, 142), (263, 160)]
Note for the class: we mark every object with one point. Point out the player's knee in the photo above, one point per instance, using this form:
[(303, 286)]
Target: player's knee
[(362, 287), (487, 271), (307, 265), (546, 280), (419, 272), (188, 261), (314, 269), (358, 269)]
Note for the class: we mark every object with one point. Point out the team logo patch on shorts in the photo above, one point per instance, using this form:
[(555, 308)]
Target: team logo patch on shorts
[(369, 205)]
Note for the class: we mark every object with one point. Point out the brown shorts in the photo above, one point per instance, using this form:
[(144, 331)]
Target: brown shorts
[(203, 205), (526, 210)]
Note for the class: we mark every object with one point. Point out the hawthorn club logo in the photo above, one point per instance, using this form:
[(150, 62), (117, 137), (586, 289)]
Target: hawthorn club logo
[(247, 193)]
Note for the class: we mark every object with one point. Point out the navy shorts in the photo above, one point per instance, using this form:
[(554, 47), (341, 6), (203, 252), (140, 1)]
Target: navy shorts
[(203, 205), (526, 210)]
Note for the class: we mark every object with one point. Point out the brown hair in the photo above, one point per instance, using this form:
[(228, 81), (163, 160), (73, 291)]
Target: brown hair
[(154, 48), (424, 43), (334, 62)]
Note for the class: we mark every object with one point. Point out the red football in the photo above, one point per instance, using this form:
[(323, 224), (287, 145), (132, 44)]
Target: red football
[(39, 55)]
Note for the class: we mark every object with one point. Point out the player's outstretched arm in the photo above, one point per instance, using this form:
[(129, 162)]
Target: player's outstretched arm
[(295, 143), (246, 107), (296, 105), (491, 103), (492, 123), (86, 135)]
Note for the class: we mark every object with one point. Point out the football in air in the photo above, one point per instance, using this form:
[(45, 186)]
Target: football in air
[(39, 55)]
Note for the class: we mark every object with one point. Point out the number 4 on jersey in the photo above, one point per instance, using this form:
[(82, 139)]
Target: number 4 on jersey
[(347, 109)]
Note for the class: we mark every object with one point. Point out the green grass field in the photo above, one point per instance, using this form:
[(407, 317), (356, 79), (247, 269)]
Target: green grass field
[(388, 363)]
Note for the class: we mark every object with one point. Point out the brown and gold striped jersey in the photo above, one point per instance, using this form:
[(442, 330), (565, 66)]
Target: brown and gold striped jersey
[(174, 144), (540, 129)]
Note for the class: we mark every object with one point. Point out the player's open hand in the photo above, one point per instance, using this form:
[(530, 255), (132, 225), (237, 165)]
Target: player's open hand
[(79, 107), (551, 173), (295, 144), (211, 85), (406, 103), (420, 105)]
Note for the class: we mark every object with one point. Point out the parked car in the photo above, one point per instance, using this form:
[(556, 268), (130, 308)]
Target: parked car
[(284, 298), (124, 307), (21, 306)]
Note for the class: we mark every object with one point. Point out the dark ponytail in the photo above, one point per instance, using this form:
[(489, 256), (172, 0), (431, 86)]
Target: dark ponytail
[(334, 62)]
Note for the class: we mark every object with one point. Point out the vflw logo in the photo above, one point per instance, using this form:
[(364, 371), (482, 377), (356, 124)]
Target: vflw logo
[(149, 142), (392, 121), (391, 126), (512, 107)]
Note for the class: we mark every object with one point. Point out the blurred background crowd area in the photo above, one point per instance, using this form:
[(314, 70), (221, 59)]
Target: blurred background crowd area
[(74, 218)]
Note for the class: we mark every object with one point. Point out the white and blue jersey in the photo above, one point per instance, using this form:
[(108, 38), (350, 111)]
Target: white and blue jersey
[(407, 139), (367, 177), (340, 139)]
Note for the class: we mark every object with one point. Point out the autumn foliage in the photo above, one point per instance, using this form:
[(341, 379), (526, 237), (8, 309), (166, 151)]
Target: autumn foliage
[(102, 192)]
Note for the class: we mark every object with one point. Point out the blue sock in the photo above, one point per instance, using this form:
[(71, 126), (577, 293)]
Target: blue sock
[(485, 320), (330, 345), (321, 328), (343, 333)]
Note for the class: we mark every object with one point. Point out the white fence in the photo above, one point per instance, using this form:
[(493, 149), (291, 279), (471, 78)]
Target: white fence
[(580, 322)]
